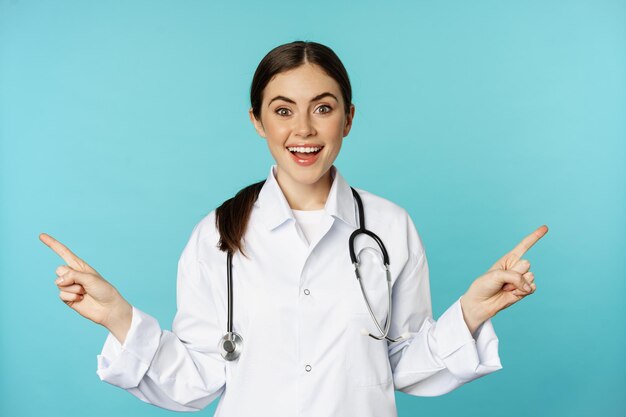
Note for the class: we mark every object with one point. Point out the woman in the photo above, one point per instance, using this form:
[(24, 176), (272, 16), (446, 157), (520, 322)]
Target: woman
[(301, 315)]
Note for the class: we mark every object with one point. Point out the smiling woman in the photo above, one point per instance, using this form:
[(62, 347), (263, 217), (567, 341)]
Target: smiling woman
[(307, 115), (302, 105), (311, 331)]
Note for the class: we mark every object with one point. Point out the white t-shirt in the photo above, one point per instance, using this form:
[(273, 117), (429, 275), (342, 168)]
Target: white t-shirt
[(309, 222)]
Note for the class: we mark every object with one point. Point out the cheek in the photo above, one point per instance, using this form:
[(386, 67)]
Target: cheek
[(276, 149), (334, 128), (334, 133), (276, 135)]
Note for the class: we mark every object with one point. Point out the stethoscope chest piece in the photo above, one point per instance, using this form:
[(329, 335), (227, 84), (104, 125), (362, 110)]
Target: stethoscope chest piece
[(231, 345)]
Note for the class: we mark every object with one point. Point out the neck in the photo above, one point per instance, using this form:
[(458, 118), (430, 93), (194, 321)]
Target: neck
[(305, 196)]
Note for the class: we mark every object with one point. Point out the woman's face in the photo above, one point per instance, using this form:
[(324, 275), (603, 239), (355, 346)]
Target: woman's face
[(303, 107)]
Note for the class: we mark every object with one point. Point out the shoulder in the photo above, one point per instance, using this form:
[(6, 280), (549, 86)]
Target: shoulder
[(204, 237), (381, 207), (392, 220), (206, 225)]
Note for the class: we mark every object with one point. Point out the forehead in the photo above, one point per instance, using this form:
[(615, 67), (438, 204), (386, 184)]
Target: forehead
[(303, 82)]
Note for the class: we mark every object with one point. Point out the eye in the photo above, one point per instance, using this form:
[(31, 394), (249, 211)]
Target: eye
[(327, 107), (280, 113)]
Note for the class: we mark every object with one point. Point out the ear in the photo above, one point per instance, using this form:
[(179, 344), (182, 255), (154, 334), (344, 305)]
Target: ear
[(349, 119), (258, 126)]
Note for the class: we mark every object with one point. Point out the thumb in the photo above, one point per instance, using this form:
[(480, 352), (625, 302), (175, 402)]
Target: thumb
[(514, 278), (69, 276)]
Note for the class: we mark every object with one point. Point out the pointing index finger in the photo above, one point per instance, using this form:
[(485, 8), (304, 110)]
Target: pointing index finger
[(60, 249), (529, 241)]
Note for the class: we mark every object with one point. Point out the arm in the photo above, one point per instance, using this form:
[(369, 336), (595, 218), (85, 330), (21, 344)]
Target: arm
[(441, 355), (178, 370)]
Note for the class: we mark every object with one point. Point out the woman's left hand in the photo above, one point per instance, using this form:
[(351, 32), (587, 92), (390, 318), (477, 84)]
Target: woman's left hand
[(505, 283)]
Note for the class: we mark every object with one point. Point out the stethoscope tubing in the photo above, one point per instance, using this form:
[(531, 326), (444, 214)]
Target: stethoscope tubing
[(231, 343), (229, 273)]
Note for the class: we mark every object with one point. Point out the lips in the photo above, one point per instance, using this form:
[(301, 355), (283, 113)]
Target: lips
[(305, 158)]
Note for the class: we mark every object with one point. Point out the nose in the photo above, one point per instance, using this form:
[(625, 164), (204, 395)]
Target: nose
[(304, 127)]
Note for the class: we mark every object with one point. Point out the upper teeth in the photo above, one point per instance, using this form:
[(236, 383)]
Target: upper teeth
[(303, 149)]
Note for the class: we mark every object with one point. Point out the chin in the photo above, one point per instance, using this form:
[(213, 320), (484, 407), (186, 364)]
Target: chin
[(308, 176)]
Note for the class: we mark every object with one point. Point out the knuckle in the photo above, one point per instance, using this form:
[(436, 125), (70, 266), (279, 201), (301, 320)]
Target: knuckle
[(499, 273)]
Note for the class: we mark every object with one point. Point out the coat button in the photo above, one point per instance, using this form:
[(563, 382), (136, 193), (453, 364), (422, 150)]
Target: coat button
[(307, 368), (306, 291)]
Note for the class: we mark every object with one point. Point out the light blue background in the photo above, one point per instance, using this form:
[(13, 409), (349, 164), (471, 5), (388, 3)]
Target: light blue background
[(123, 123)]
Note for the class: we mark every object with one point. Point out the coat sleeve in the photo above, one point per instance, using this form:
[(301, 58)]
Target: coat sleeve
[(179, 370), (438, 356)]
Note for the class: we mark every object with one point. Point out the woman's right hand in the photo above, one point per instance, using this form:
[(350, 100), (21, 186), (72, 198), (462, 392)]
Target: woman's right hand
[(85, 291)]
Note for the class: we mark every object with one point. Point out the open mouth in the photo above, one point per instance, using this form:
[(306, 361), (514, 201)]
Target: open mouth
[(305, 155)]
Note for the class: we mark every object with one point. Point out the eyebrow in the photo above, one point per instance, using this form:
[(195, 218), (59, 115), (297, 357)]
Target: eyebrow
[(317, 97)]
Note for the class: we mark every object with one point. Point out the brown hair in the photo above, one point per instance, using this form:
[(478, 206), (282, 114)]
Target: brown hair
[(231, 218)]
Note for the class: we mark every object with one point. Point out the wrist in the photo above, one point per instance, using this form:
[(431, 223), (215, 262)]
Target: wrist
[(472, 315), (119, 320)]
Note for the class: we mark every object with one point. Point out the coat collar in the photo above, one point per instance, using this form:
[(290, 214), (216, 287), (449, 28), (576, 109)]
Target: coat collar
[(274, 208)]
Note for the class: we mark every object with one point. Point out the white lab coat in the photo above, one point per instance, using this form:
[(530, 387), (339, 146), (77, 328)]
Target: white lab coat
[(301, 314)]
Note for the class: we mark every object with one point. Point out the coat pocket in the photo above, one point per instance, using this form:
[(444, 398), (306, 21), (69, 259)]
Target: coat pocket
[(368, 358)]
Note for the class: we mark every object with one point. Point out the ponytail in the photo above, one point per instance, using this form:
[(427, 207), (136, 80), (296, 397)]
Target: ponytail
[(231, 218)]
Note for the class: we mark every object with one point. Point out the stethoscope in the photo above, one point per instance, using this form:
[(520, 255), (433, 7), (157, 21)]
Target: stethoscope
[(231, 344)]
